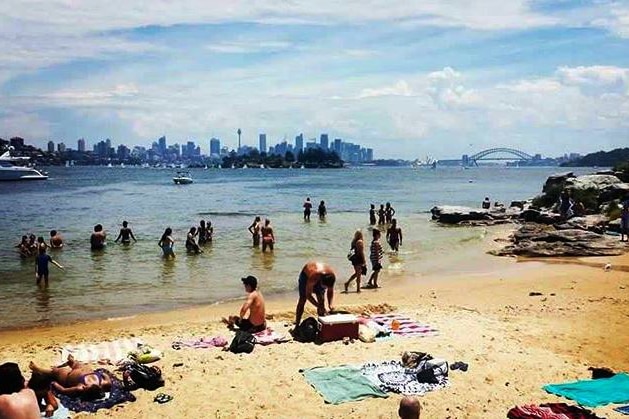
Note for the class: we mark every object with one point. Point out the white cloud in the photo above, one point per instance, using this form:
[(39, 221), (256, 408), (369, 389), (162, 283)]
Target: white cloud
[(400, 88), (596, 79), (249, 47)]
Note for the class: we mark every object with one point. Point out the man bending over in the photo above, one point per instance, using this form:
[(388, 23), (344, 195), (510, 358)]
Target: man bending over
[(315, 280)]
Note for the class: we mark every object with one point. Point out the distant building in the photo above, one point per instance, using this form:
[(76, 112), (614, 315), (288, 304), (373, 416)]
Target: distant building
[(61, 148), (161, 144), (215, 147), (299, 143), (369, 154), (81, 145), (338, 146), (324, 142), (51, 146), (263, 143), (17, 142), (123, 152)]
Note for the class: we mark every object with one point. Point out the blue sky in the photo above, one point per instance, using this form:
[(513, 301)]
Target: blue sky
[(408, 78)]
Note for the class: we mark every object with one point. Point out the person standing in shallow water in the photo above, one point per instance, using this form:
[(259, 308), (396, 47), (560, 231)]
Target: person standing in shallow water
[(98, 237), (307, 209), (41, 264), (375, 254), (394, 236), (372, 215), (389, 212), (357, 258), (202, 233), (268, 238), (167, 244), (125, 234), (381, 219), (56, 241), (322, 210), (191, 243), (254, 229)]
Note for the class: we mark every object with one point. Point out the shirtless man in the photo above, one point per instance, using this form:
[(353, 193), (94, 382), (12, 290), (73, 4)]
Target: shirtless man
[(16, 401), (315, 278), (394, 236), (254, 229), (56, 241), (268, 238), (97, 239), (125, 234), (256, 321), (74, 378), (409, 408)]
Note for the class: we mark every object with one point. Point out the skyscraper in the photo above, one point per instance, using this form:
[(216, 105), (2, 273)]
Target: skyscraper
[(215, 147), (263, 143), (324, 142), (81, 145), (299, 144), (162, 145), (61, 148), (338, 146), (51, 146)]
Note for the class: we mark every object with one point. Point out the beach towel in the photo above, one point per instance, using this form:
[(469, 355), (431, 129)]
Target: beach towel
[(594, 393), (115, 396), (550, 411), (113, 351), (408, 327), (201, 343), (392, 376), (341, 384), (268, 337), (62, 412), (623, 409)]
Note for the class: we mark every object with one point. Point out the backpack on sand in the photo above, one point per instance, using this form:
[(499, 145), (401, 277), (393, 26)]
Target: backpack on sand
[(307, 331), (142, 376), (243, 342)]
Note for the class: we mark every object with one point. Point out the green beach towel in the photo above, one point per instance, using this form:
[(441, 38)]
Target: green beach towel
[(594, 392), (341, 384)]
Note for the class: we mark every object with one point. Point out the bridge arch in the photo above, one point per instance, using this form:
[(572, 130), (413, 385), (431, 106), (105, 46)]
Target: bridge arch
[(482, 155)]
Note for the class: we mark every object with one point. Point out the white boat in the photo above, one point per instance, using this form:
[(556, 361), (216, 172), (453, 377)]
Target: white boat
[(182, 178), (11, 169)]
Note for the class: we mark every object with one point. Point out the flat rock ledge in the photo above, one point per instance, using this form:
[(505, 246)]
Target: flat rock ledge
[(540, 240)]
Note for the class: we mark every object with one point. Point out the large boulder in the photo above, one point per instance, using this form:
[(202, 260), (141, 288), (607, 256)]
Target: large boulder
[(534, 240), (448, 214), (557, 181), (599, 182), (615, 191)]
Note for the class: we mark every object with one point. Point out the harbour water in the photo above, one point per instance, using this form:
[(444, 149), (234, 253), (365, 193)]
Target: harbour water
[(124, 280)]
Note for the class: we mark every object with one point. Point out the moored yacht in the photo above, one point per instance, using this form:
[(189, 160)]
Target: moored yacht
[(13, 168), (182, 178)]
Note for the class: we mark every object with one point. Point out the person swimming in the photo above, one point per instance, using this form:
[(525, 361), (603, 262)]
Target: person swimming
[(98, 237), (56, 241)]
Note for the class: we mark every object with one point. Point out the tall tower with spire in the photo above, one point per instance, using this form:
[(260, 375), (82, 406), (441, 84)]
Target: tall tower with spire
[(239, 132)]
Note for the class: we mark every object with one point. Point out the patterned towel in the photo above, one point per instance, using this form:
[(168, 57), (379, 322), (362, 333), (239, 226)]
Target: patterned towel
[(201, 343), (114, 351), (392, 376), (117, 395), (408, 327), (268, 337)]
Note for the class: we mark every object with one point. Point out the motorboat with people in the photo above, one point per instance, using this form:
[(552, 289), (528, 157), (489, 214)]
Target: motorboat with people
[(182, 178), (14, 168)]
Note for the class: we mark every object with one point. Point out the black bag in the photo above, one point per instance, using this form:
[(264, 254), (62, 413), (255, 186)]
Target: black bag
[(143, 376), (307, 331), (243, 342)]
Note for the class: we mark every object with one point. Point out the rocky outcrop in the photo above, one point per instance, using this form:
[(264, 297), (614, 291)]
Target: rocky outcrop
[(598, 182), (557, 181), (447, 214), (538, 240)]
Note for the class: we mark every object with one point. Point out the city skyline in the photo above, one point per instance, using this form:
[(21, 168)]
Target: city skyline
[(407, 79)]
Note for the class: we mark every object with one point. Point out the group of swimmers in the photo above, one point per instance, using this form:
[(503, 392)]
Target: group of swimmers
[(385, 214), (30, 246), (322, 211), (262, 232)]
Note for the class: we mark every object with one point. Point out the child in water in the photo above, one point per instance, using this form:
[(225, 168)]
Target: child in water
[(41, 271)]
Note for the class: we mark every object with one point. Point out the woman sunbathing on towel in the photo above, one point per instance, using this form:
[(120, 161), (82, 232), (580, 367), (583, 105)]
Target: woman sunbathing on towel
[(76, 379)]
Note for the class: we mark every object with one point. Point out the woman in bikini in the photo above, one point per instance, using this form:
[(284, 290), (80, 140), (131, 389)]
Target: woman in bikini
[(268, 238), (76, 379), (167, 243), (358, 260)]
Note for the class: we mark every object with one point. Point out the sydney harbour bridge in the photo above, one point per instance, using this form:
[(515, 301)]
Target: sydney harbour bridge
[(491, 154)]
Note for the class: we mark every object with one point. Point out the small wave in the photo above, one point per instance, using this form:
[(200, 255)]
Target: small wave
[(114, 319), (477, 237)]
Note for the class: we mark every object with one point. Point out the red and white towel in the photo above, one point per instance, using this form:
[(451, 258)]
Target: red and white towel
[(408, 327)]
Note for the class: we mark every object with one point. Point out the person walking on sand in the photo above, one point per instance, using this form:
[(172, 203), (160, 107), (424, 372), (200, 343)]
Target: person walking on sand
[(56, 241), (307, 209), (624, 222), (381, 213), (167, 244), (125, 234), (256, 320), (41, 266), (357, 258), (315, 280), (268, 238), (254, 229), (191, 243), (394, 236), (322, 210), (98, 237), (372, 215), (375, 254), (389, 212), (16, 400)]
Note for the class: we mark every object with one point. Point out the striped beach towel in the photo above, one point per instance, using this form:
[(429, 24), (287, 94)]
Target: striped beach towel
[(269, 336), (113, 351), (408, 327)]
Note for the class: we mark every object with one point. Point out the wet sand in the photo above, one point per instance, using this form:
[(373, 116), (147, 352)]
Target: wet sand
[(513, 342)]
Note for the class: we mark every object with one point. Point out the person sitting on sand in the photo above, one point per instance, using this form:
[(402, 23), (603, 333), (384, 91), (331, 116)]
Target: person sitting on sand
[(409, 408), (315, 278), (41, 264), (167, 243), (256, 320), (126, 234), (56, 241), (16, 401), (98, 237), (76, 379)]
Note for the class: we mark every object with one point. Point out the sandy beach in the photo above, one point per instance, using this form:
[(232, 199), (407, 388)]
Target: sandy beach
[(513, 342)]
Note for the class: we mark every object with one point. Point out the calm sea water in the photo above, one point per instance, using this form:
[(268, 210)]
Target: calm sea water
[(123, 280)]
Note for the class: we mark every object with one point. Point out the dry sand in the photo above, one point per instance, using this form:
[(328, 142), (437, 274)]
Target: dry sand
[(514, 344)]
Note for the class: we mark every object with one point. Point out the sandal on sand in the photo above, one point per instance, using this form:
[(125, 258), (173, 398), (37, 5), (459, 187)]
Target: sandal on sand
[(162, 398)]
